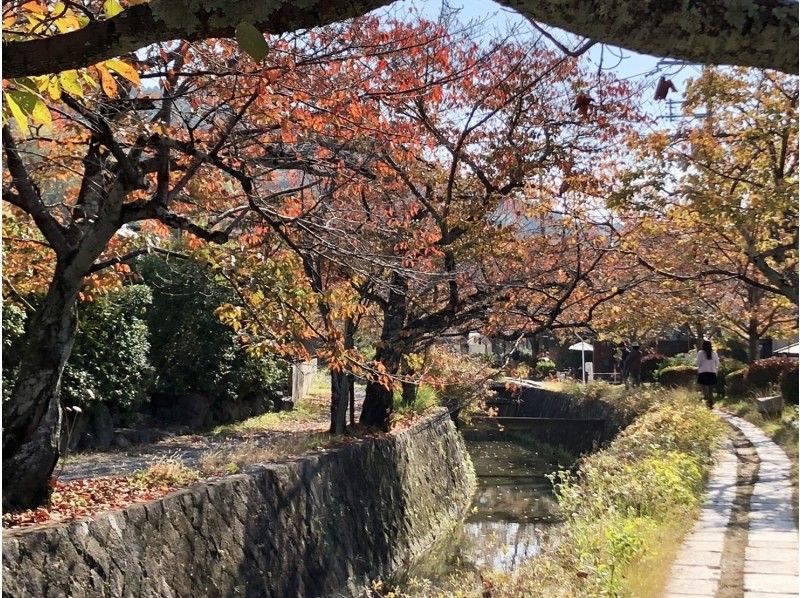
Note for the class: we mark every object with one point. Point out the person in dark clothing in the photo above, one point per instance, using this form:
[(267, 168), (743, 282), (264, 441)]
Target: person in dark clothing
[(632, 368)]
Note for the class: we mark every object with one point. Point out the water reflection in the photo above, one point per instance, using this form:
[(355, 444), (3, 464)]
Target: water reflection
[(513, 511)]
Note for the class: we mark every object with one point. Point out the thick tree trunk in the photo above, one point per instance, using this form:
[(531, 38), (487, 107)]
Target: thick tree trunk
[(32, 418), (377, 407), (409, 393)]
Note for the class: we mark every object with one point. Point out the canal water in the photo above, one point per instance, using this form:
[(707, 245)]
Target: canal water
[(512, 517)]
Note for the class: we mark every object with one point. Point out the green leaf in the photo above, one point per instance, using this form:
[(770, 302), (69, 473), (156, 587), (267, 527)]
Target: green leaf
[(251, 40), (112, 8)]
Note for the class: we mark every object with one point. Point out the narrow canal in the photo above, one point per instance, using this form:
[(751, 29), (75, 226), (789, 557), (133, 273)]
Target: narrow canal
[(513, 514)]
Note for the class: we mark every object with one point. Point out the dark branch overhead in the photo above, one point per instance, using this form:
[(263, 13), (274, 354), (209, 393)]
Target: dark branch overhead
[(758, 33)]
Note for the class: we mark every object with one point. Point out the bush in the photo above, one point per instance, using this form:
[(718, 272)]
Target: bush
[(679, 359), (109, 361), (192, 351), (764, 373), (726, 367), (789, 383), (14, 319), (545, 367), (734, 383), (650, 364), (677, 376)]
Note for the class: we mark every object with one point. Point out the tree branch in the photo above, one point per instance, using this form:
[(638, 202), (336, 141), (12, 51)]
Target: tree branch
[(750, 33)]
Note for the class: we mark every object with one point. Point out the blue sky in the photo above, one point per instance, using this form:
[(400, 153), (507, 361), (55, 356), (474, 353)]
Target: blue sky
[(625, 63)]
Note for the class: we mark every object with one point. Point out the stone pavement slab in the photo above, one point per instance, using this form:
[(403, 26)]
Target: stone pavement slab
[(771, 556), (696, 570)]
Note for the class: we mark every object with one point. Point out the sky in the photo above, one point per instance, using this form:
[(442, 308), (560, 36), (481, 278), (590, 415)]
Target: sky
[(625, 63)]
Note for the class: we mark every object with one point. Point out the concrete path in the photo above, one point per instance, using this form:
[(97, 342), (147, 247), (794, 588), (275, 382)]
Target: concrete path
[(696, 571), (770, 566), (771, 555)]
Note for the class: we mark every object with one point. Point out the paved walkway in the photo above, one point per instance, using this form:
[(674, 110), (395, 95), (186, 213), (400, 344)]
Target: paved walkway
[(771, 555)]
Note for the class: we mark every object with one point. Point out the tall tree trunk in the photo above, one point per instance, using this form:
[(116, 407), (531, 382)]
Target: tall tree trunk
[(753, 337), (378, 400), (340, 395), (351, 383), (32, 418), (409, 393), (342, 386)]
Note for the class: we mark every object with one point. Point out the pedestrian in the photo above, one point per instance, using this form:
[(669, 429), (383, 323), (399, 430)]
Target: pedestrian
[(707, 367), (633, 366)]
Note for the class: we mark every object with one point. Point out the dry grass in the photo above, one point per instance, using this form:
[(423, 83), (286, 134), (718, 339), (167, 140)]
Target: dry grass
[(233, 459)]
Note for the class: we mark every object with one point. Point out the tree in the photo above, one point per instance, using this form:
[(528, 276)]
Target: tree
[(717, 199), (113, 158), (752, 33)]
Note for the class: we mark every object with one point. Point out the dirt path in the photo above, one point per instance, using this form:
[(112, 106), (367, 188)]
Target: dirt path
[(191, 448)]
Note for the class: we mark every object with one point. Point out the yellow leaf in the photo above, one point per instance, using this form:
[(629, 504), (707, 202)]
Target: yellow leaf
[(16, 112), (70, 84), (89, 80), (54, 88), (123, 69), (112, 8), (107, 81), (41, 113)]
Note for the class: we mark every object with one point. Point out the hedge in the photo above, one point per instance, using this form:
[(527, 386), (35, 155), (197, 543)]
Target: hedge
[(678, 376), (734, 383), (764, 373), (651, 363)]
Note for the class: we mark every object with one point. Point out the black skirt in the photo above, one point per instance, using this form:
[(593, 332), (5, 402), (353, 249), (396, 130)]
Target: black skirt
[(707, 379)]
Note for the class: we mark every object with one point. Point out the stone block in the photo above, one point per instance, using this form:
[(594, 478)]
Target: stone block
[(771, 406)]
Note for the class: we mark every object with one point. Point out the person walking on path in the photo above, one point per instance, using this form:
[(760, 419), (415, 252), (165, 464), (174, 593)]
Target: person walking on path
[(707, 367), (632, 368)]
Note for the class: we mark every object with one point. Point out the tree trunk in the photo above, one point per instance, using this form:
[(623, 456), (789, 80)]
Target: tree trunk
[(378, 400), (32, 418), (340, 394), (753, 339), (351, 383)]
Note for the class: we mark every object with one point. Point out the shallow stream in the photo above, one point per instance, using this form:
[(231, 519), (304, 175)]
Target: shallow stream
[(513, 514)]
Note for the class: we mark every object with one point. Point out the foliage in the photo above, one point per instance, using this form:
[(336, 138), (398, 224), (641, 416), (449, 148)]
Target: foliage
[(110, 359), (545, 367), (14, 319), (789, 383), (650, 363), (425, 398), (459, 380), (677, 375), (764, 373), (734, 383), (623, 502), (191, 350), (726, 367)]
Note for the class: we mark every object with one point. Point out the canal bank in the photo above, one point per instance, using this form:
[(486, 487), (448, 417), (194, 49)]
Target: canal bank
[(324, 524)]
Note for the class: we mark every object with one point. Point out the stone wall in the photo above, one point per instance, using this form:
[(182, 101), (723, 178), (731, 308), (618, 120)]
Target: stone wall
[(322, 525)]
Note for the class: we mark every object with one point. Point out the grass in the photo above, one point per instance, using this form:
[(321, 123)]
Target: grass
[(308, 408), (628, 506), (425, 399)]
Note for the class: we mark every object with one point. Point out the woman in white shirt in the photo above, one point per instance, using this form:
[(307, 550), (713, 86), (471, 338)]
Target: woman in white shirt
[(707, 367)]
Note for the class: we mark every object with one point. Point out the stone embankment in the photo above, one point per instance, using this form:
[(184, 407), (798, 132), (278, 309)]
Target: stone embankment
[(321, 525)]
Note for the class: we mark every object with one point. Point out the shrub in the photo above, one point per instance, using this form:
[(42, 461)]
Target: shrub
[(679, 359), (734, 383), (459, 380), (677, 376), (650, 364), (14, 319), (726, 367), (789, 383), (109, 361), (763, 373), (545, 367), (192, 351)]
